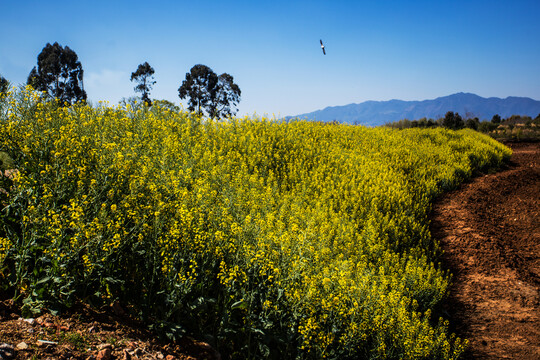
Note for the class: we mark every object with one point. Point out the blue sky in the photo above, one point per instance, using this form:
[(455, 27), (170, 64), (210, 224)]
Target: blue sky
[(376, 50)]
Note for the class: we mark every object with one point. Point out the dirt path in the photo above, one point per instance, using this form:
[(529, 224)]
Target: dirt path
[(490, 232)]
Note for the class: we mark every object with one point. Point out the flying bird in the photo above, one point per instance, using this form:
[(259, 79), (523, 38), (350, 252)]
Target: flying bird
[(322, 47)]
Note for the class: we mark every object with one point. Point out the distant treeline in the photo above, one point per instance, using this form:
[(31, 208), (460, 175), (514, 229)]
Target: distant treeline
[(515, 126)]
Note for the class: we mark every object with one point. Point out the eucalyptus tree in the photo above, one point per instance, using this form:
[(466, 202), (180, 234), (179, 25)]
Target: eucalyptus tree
[(59, 73), (208, 93), (144, 77)]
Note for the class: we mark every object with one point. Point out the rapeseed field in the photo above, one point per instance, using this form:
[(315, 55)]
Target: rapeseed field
[(269, 239)]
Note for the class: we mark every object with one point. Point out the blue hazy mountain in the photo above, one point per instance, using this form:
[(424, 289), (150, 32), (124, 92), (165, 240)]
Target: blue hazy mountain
[(375, 113)]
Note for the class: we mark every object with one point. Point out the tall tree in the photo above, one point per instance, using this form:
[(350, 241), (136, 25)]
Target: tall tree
[(59, 73), (144, 76), (216, 96), (496, 119), (199, 86), (4, 84), (226, 97), (472, 123), (453, 121)]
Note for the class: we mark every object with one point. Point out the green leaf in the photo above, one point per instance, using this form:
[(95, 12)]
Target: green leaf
[(239, 305), (43, 280)]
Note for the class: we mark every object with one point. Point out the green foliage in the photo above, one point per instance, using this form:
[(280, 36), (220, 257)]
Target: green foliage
[(199, 85), (59, 73), (513, 128), (453, 121), (144, 76), (472, 124), (4, 85), (486, 126), (216, 96), (268, 239), (6, 162), (406, 123), (75, 340), (516, 120), (166, 105), (132, 102), (225, 97)]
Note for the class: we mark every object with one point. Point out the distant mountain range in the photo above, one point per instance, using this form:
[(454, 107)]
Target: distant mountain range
[(375, 113)]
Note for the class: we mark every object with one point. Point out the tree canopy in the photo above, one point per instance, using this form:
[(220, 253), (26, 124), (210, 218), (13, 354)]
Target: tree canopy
[(215, 96), (144, 76), (4, 84), (453, 121), (472, 123), (198, 86), (167, 105), (59, 73), (496, 119), (226, 97)]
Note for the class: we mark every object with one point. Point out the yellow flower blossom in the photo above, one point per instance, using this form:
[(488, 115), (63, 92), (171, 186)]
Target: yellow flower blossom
[(318, 231)]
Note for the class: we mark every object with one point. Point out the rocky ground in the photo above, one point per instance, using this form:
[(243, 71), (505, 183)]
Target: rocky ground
[(88, 334)]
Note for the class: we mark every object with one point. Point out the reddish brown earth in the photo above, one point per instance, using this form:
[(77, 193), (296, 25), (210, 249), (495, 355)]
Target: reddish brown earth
[(490, 232)]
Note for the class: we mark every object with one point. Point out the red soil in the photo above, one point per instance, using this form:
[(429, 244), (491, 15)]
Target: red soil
[(490, 232)]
